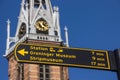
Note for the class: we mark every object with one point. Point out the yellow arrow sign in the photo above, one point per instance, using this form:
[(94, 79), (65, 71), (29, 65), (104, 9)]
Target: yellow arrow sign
[(22, 52)]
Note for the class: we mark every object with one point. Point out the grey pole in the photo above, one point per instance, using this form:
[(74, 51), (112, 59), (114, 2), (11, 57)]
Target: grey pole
[(117, 56)]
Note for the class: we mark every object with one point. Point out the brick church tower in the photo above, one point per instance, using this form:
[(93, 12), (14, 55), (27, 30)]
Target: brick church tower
[(38, 23)]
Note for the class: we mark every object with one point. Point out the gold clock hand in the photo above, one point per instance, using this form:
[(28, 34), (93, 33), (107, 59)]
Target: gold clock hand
[(41, 23)]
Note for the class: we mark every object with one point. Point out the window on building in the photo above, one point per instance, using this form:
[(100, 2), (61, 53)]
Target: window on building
[(36, 3), (44, 5), (22, 30), (44, 72)]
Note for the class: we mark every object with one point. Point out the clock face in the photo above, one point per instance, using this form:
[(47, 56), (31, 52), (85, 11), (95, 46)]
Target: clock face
[(41, 25)]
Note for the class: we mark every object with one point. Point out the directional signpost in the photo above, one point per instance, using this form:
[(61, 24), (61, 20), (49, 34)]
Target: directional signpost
[(74, 57)]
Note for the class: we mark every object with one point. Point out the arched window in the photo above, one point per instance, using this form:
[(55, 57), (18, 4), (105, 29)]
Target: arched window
[(56, 33), (36, 3), (27, 2), (43, 3), (22, 30)]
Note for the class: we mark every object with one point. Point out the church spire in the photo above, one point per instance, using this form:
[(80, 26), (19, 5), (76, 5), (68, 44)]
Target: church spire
[(37, 21), (66, 36), (8, 34), (37, 17)]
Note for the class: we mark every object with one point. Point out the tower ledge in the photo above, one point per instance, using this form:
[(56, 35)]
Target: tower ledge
[(35, 38)]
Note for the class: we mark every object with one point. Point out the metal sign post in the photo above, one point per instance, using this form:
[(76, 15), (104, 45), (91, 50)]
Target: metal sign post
[(117, 57)]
